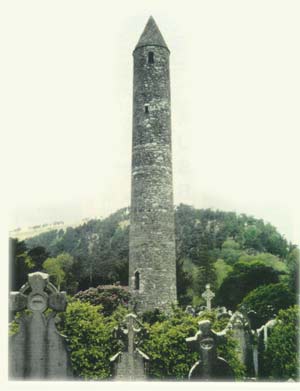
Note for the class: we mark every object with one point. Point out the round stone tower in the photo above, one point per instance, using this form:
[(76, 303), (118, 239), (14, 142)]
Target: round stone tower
[(152, 263)]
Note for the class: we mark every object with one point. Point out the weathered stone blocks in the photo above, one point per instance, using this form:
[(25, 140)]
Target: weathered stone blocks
[(152, 227)]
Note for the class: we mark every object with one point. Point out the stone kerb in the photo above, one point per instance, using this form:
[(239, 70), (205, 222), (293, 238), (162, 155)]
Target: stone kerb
[(37, 350)]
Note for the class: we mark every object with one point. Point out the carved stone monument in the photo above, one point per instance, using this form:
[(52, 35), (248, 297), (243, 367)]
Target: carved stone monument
[(37, 350), (242, 334), (208, 295), (209, 367), (132, 363)]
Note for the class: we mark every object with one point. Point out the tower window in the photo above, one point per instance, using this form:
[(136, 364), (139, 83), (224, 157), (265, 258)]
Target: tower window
[(150, 58), (137, 281), (146, 108)]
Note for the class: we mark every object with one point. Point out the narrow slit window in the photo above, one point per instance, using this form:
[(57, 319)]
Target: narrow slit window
[(150, 58), (146, 108), (136, 281)]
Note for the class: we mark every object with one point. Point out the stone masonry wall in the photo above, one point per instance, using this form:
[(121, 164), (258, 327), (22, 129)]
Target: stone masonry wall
[(152, 231)]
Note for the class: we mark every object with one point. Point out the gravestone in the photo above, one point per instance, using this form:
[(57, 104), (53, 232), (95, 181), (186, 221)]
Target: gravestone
[(267, 330), (254, 321), (222, 313), (209, 367), (261, 336), (242, 334), (132, 363), (37, 350), (201, 310), (190, 310), (208, 295)]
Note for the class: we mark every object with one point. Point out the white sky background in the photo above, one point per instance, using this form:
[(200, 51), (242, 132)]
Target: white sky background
[(235, 84)]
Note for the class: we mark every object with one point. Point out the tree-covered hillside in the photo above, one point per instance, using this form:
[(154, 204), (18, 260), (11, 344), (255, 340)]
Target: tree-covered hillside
[(211, 246)]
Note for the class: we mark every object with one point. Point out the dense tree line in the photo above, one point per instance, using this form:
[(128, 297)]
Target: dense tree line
[(209, 246)]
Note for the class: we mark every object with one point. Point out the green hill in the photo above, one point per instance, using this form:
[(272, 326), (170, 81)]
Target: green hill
[(208, 244)]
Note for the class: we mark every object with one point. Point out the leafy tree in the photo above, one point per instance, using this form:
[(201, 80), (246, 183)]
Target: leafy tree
[(293, 266), (231, 251), (281, 359), (222, 270), (252, 237), (273, 242), (48, 240), (190, 283), (205, 275), (185, 220), (38, 255), (183, 280), (267, 300), (53, 267), (267, 259), (20, 263), (60, 269), (244, 277), (121, 270)]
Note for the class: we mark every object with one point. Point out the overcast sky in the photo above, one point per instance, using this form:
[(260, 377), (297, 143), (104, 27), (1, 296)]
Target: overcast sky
[(235, 88)]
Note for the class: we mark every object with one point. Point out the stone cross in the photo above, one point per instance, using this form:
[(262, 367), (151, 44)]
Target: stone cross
[(208, 295), (209, 366), (131, 329), (132, 363), (37, 350)]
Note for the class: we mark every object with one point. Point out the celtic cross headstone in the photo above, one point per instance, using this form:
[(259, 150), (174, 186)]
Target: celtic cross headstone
[(130, 363), (209, 366), (37, 350), (208, 295)]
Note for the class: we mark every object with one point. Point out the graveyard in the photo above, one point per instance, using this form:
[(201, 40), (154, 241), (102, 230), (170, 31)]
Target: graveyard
[(92, 333)]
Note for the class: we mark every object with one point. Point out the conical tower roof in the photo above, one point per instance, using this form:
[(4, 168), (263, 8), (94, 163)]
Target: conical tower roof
[(151, 35)]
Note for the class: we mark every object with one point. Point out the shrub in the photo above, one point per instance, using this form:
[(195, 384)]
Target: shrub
[(108, 296), (153, 316), (244, 277), (170, 355), (166, 346), (281, 359), (90, 339)]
